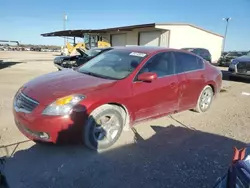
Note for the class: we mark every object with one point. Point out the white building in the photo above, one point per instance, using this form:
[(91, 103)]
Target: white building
[(166, 35)]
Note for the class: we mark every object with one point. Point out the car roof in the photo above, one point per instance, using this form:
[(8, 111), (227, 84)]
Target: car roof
[(144, 49), (101, 48), (195, 48)]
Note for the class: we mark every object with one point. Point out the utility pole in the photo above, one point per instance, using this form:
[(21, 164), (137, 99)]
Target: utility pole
[(225, 35), (65, 17)]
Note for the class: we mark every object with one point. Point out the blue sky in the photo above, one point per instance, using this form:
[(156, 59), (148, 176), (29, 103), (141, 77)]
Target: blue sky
[(25, 20)]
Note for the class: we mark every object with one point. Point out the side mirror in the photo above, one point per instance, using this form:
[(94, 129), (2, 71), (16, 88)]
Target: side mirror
[(147, 77)]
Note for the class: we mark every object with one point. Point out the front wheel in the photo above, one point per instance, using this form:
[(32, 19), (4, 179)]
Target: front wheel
[(104, 126), (205, 99)]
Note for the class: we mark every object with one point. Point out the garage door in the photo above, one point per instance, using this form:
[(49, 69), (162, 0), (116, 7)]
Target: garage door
[(119, 40), (151, 38)]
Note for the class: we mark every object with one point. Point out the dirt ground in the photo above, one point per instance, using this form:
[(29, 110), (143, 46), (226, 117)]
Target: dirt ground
[(183, 150)]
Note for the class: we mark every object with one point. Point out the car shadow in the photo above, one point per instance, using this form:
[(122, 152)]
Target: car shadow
[(6, 64), (225, 76), (222, 65), (173, 157)]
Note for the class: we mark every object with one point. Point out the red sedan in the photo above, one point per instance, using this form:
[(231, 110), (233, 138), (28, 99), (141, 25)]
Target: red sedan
[(111, 92)]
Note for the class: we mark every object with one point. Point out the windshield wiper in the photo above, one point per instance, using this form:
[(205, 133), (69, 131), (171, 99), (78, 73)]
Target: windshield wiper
[(98, 75)]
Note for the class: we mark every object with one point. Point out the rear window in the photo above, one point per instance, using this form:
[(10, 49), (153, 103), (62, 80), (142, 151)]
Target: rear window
[(199, 51)]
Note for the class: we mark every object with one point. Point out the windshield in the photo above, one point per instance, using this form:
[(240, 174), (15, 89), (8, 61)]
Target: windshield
[(114, 64)]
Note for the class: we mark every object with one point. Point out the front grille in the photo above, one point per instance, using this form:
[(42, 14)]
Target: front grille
[(243, 67), (24, 103)]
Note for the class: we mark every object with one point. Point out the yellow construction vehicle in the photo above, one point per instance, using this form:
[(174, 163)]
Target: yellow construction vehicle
[(72, 48), (90, 39), (95, 40)]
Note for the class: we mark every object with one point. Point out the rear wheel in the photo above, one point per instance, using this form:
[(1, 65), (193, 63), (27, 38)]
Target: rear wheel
[(205, 99), (104, 127)]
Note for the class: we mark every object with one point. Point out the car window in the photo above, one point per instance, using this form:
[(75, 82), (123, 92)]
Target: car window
[(187, 62), (201, 52), (206, 52), (162, 64), (114, 64)]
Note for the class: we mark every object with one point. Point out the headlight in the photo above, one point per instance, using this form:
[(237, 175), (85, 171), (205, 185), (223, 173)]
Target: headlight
[(63, 106)]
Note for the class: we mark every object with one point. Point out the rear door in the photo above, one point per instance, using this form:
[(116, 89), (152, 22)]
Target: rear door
[(160, 96), (190, 70)]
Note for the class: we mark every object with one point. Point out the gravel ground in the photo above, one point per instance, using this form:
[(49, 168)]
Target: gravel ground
[(183, 151)]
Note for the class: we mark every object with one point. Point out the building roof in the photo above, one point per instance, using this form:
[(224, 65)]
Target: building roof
[(80, 33)]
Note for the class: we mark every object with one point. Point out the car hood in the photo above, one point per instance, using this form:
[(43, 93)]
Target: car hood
[(65, 57), (81, 52), (47, 88), (243, 58)]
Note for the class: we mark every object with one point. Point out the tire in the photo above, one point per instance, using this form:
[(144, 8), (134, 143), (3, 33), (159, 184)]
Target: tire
[(93, 125), (207, 89)]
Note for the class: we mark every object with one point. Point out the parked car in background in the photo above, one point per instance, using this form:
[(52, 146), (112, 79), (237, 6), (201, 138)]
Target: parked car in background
[(226, 59), (38, 49), (244, 53), (224, 53), (240, 67), (204, 53), (113, 91), (62, 62)]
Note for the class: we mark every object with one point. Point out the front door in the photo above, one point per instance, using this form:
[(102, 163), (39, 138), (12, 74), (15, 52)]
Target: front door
[(190, 71), (160, 96)]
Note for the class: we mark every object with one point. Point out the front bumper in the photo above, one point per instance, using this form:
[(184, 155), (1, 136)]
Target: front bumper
[(234, 70), (234, 74), (55, 129)]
